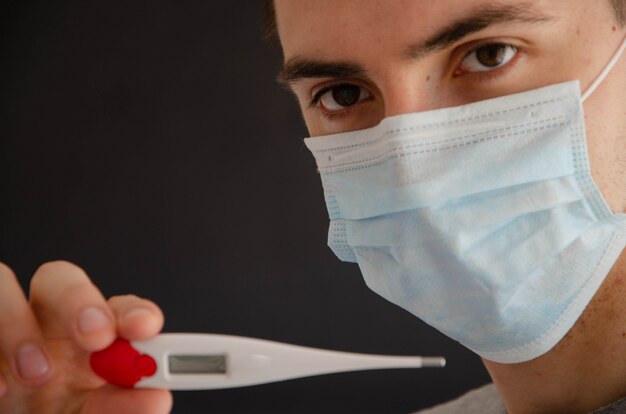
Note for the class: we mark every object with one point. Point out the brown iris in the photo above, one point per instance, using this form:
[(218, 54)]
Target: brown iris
[(491, 55), (346, 95)]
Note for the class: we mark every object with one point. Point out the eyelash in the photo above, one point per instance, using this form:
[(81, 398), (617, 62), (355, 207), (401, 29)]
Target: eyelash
[(334, 115), (490, 74), (318, 95), (478, 77)]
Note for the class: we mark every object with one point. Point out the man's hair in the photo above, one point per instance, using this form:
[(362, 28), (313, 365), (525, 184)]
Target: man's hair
[(618, 5), (270, 29)]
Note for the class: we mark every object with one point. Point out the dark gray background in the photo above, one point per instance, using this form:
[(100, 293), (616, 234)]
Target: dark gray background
[(148, 143)]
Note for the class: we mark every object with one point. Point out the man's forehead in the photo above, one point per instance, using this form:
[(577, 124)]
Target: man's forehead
[(315, 26), (303, 24)]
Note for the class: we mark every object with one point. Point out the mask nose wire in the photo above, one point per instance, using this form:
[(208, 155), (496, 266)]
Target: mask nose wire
[(605, 72)]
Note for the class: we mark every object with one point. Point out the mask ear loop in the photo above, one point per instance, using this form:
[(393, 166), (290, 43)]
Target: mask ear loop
[(605, 72)]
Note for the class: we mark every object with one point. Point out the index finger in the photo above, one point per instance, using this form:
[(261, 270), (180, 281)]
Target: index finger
[(67, 303)]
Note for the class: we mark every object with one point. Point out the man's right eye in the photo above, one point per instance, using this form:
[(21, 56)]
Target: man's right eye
[(339, 97)]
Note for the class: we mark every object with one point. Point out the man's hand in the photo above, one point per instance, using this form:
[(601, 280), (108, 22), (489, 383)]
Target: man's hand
[(45, 344)]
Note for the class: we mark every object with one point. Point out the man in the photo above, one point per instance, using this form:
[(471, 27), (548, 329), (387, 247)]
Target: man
[(358, 65)]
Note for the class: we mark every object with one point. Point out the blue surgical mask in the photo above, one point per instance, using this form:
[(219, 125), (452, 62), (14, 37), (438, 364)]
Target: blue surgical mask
[(483, 220)]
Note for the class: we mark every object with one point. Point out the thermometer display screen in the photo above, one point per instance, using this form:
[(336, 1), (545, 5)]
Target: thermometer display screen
[(197, 364)]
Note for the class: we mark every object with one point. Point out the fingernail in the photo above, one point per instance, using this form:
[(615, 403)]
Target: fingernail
[(92, 320), (31, 362), (135, 313)]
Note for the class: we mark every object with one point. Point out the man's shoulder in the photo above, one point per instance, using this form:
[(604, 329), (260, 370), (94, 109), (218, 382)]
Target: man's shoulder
[(483, 400), (486, 400), (615, 408)]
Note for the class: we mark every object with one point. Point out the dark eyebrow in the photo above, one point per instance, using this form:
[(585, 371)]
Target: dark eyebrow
[(479, 19), (297, 68)]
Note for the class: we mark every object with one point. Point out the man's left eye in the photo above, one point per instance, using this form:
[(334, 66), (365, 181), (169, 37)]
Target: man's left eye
[(487, 57)]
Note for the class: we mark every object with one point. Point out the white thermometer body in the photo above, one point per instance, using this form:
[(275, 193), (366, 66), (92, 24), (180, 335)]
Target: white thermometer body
[(212, 361)]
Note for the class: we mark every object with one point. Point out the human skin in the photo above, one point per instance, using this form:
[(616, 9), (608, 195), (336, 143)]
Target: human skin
[(61, 318), (562, 41)]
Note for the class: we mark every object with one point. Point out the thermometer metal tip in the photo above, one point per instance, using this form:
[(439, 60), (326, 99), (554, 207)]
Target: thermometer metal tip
[(433, 362)]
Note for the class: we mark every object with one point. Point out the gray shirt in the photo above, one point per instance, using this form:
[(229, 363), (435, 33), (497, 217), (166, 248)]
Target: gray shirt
[(486, 400)]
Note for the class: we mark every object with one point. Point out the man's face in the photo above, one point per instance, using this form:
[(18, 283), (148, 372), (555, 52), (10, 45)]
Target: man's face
[(352, 63)]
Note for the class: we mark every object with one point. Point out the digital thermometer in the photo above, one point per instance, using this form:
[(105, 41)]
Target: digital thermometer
[(211, 361)]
